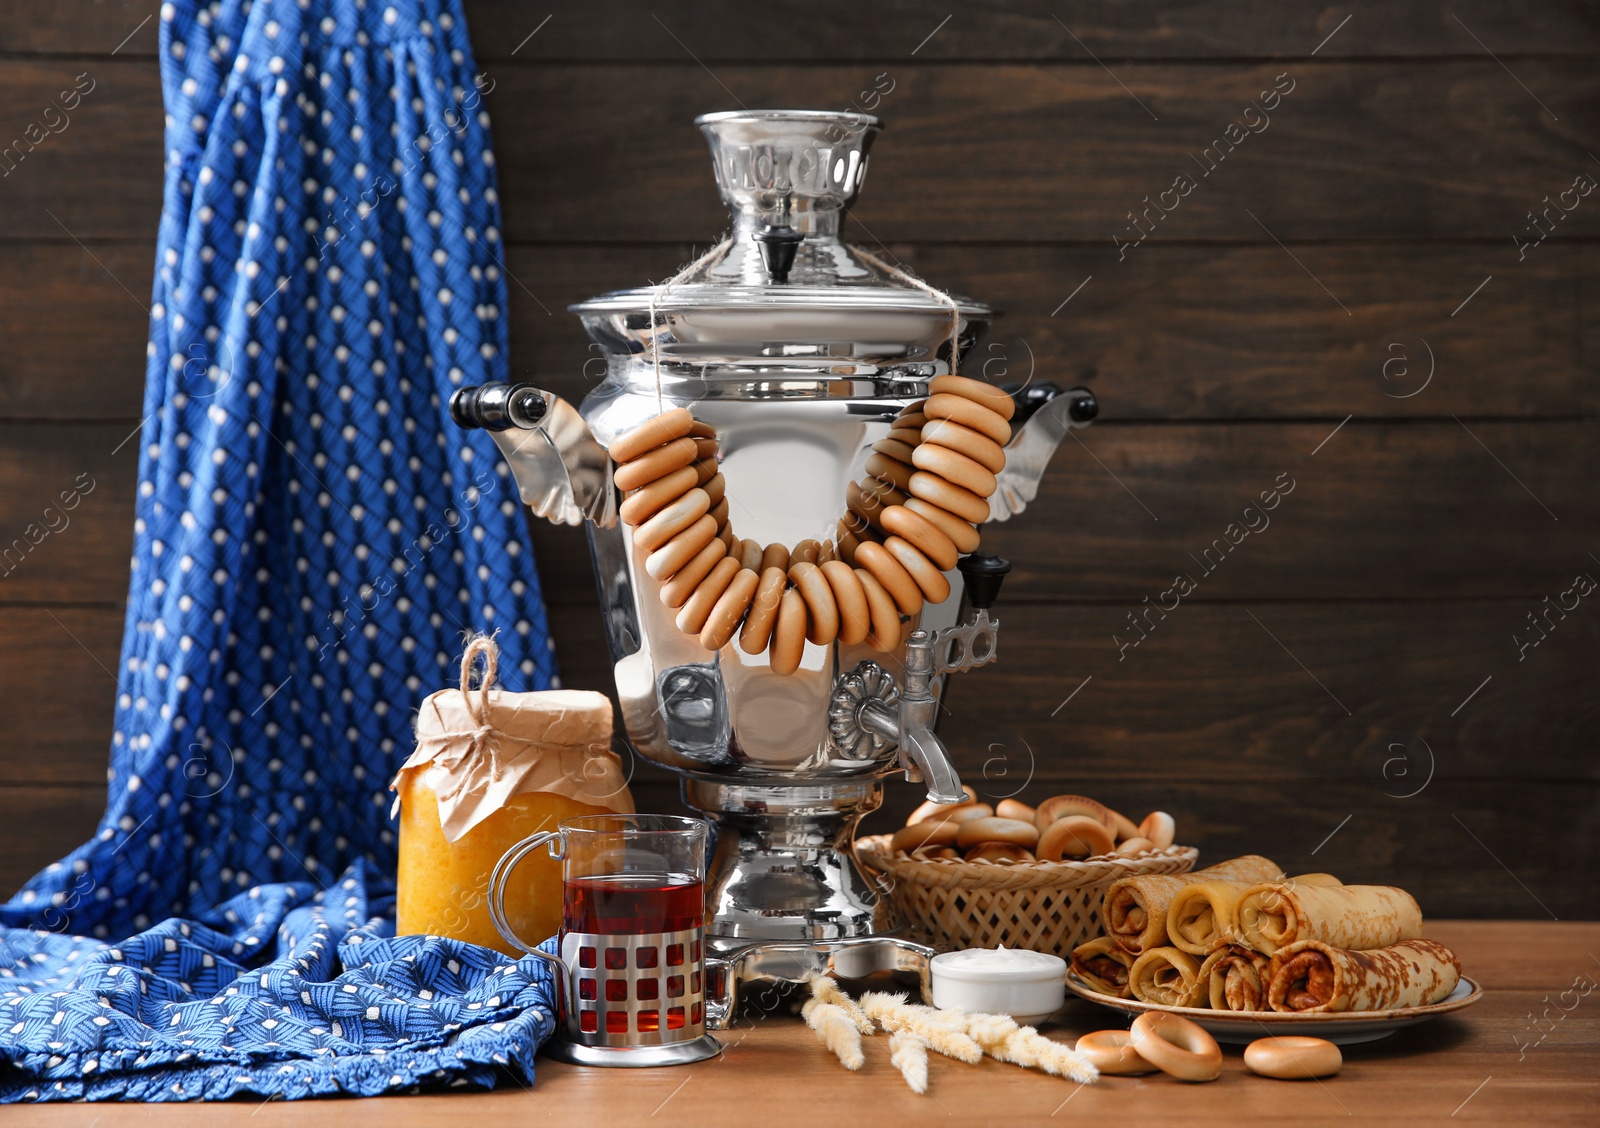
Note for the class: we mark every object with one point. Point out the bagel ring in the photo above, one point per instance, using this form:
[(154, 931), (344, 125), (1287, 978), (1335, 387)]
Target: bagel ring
[(885, 634), (644, 502), (932, 832), (928, 578), (995, 399), (1160, 828), (1293, 1057), (672, 557), (891, 574), (991, 828), (676, 591), (974, 444), (955, 468), (664, 428), (895, 449), (1177, 1046), (1076, 836), (1060, 806), (923, 534), (789, 634), (672, 520), (657, 463), (855, 620), (949, 496), (728, 611), (758, 625), (961, 533), (1014, 809), (969, 414), (822, 616), (694, 613), (775, 556), (1112, 1053), (807, 551), (893, 471), (749, 555)]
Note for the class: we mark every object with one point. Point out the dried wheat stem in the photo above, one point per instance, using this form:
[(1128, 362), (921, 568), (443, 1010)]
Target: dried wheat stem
[(837, 1031), (825, 990), (943, 1031), (1003, 1040), (909, 1054)]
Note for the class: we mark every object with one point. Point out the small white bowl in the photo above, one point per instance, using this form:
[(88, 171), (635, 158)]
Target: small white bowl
[(1029, 986)]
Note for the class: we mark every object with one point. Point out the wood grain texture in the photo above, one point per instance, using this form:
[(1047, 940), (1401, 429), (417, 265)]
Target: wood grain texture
[(1230, 692), (1032, 153), (1175, 332), (1465, 1066), (984, 152), (75, 322), (834, 29)]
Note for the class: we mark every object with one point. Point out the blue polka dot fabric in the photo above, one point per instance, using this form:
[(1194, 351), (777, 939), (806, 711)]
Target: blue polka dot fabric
[(313, 540)]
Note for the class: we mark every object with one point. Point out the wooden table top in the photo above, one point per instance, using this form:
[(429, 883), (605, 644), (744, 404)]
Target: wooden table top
[(1514, 1057)]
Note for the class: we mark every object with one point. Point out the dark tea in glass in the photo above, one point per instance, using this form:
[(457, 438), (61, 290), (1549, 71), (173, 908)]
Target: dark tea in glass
[(630, 904)]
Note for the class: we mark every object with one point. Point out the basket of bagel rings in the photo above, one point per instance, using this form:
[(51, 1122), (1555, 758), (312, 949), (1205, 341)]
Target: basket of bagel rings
[(969, 875)]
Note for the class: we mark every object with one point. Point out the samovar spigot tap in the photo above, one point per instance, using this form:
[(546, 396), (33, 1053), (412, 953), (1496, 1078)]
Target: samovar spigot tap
[(909, 722)]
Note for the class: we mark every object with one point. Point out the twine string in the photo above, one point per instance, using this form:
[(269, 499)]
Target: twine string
[(483, 736), (660, 292), (934, 292)]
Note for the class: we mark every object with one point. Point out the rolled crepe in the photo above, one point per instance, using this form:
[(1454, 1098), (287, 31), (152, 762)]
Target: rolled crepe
[(1103, 965), (1167, 976), (1235, 979), (1311, 976), (1353, 917), (1135, 908), (1202, 915)]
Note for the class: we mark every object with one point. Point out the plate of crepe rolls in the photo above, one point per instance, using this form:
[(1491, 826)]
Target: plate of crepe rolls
[(1242, 946)]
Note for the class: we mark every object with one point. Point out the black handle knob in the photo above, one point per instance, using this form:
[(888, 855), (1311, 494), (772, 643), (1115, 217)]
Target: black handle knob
[(498, 407), (983, 572), (778, 246)]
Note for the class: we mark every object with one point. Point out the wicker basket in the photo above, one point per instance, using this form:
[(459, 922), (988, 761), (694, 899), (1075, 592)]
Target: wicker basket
[(951, 904)]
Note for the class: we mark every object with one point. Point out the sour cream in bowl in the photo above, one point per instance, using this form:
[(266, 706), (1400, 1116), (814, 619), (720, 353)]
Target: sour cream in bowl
[(1028, 986)]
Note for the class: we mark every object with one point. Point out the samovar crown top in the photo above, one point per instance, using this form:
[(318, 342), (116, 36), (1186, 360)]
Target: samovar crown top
[(788, 178)]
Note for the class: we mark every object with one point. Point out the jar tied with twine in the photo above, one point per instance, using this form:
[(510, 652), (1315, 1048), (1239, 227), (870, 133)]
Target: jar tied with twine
[(490, 768)]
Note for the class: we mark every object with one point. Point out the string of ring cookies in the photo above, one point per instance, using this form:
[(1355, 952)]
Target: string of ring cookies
[(906, 522)]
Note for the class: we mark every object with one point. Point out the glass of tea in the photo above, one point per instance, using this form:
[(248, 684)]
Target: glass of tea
[(632, 964)]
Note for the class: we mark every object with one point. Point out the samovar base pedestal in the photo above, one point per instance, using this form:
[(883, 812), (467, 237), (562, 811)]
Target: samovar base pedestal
[(783, 869)]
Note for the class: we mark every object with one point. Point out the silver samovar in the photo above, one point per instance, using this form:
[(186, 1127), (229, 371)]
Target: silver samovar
[(799, 349)]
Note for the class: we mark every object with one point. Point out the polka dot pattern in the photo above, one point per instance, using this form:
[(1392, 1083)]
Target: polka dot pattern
[(312, 536)]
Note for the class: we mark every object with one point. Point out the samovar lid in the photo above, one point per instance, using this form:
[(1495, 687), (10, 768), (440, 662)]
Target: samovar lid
[(788, 177)]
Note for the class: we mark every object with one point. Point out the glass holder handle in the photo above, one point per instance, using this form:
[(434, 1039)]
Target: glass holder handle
[(497, 906)]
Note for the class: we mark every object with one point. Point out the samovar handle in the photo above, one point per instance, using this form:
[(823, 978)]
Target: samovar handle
[(1045, 413), (562, 471)]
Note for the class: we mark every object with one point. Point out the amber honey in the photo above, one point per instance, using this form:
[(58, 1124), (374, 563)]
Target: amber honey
[(444, 885)]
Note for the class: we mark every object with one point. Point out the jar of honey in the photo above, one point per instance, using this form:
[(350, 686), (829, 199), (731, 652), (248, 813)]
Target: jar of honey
[(490, 768)]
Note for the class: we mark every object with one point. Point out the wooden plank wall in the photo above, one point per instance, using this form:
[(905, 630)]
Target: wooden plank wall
[(1343, 691)]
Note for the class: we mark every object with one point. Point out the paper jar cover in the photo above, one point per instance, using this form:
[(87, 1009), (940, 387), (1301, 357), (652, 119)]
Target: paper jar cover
[(555, 741)]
